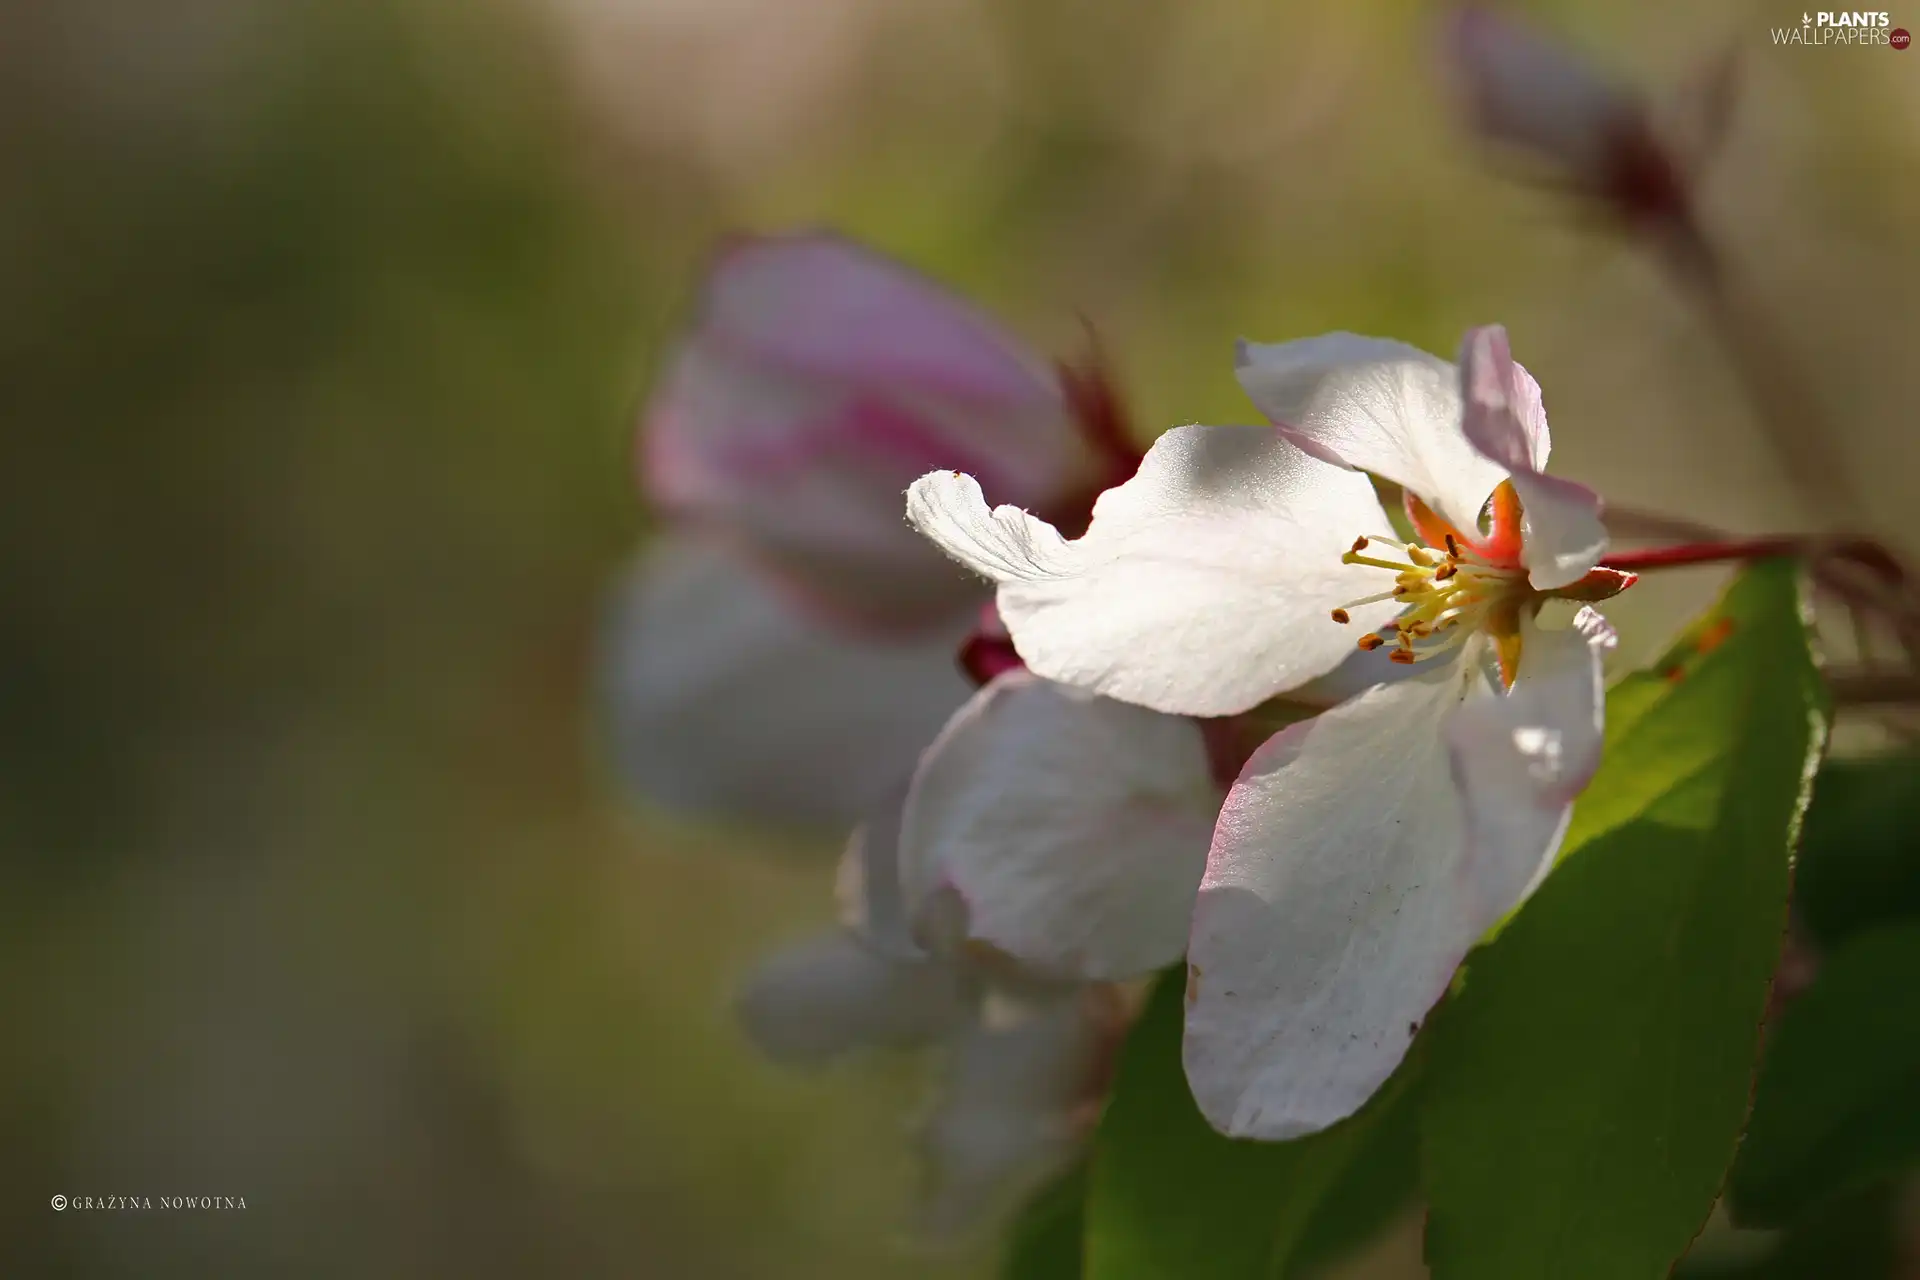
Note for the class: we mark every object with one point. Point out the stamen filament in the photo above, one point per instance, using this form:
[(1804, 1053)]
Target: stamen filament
[(1454, 641), (1474, 586), (1353, 557)]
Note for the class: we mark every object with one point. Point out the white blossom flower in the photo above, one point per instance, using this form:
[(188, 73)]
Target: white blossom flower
[(1024, 1063), (788, 604), (1360, 853)]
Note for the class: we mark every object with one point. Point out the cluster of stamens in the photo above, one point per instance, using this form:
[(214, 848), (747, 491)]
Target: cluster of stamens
[(1446, 595)]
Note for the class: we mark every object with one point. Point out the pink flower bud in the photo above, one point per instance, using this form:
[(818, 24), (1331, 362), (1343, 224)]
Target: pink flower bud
[(817, 381), (1526, 91)]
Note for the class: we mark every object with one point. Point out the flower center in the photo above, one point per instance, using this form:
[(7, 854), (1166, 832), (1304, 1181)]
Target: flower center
[(1446, 596), (1453, 586), (1461, 587)]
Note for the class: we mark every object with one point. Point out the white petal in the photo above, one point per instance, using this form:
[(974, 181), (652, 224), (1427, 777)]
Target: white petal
[(1505, 420), (832, 996), (1331, 915), (1520, 760), (1375, 405), (1564, 534), (1359, 858), (1203, 585), (818, 380), (723, 700), (1073, 828), (1019, 1101)]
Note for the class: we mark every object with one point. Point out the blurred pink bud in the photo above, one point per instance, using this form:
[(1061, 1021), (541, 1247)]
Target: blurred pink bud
[(818, 380), (1525, 90)]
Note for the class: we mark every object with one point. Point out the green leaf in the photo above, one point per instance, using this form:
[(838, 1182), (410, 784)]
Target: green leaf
[(1850, 1236), (1044, 1241), (1377, 1187), (1860, 853), (1587, 1084), (1171, 1198), (1839, 1097)]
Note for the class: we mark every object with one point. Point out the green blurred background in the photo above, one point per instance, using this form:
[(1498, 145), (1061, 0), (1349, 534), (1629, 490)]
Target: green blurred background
[(323, 328)]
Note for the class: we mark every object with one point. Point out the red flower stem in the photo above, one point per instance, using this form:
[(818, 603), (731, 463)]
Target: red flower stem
[(1691, 553), (1863, 552)]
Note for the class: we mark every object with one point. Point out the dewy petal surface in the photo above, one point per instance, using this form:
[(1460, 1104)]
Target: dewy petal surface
[(833, 995), (1520, 760), (1358, 859), (1331, 917), (720, 696), (1203, 584), (1505, 419), (817, 380), (1073, 828), (1375, 405)]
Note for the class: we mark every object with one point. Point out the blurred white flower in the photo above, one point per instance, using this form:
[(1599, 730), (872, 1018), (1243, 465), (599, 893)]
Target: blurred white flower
[(1361, 853), (1023, 1063), (791, 643), (727, 700)]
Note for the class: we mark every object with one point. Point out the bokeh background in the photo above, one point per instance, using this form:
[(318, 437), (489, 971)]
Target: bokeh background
[(323, 329)]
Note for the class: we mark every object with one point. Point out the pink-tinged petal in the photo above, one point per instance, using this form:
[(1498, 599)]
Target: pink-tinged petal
[(1203, 585), (722, 700), (1072, 828), (1502, 413), (1520, 760), (1525, 90), (816, 382), (1374, 405), (833, 995), (827, 306), (1333, 912), (1505, 420), (1020, 1098)]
